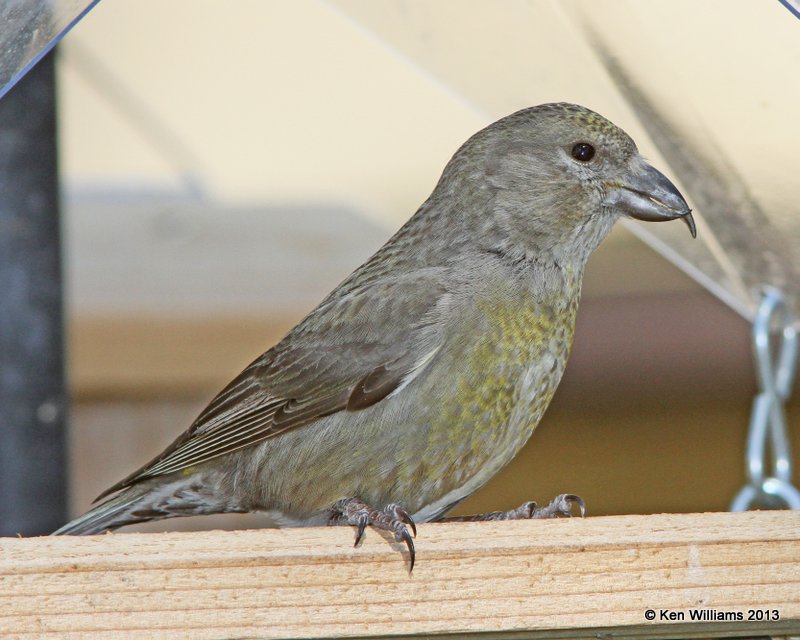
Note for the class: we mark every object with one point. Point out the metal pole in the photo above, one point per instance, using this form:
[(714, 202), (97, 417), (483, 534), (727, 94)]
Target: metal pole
[(33, 489)]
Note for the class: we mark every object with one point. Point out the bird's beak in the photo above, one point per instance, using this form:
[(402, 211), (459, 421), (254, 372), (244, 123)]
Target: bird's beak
[(648, 195)]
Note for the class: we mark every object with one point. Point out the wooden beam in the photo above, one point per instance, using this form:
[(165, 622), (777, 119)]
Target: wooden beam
[(572, 578)]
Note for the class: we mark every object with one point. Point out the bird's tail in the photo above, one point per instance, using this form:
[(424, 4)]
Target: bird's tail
[(114, 512)]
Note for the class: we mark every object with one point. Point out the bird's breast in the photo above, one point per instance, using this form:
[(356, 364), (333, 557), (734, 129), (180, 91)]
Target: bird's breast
[(500, 382)]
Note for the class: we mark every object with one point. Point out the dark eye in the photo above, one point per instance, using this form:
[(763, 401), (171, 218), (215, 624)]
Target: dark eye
[(583, 151)]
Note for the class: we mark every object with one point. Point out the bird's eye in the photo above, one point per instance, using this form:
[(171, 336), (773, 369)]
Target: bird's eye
[(583, 151)]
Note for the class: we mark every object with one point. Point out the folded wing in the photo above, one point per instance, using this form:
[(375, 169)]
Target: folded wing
[(350, 353)]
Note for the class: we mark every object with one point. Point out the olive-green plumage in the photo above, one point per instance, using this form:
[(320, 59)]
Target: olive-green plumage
[(425, 371)]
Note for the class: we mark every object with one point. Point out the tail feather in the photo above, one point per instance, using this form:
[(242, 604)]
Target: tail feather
[(114, 512)]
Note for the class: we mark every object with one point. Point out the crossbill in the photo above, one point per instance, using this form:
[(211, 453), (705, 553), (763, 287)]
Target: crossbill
[(425, 371)]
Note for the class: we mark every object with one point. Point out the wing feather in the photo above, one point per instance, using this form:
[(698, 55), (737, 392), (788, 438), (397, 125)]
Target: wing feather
[(321, 367)]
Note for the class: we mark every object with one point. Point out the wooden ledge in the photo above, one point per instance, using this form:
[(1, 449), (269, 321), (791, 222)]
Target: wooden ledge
[(532, 579)]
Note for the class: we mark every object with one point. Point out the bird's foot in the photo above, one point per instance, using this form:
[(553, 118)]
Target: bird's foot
[(561, 506), (354, 512)]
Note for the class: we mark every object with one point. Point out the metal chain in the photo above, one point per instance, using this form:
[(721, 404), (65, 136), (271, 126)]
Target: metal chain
[(775, 349)]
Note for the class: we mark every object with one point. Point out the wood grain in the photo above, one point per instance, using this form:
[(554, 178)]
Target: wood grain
[(561, 578)]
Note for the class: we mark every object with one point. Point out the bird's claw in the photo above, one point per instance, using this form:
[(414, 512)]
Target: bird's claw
[(560, 506), (402, 515), (361, 527), (355, 512), (402, 535)]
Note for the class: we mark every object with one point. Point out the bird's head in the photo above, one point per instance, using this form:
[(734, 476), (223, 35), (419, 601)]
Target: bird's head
[(557, 176)]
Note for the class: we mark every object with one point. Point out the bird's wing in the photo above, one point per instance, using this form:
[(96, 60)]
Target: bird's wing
[(348, 354)]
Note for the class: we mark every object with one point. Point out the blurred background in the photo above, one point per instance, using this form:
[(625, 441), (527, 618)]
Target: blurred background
[(224, 165)]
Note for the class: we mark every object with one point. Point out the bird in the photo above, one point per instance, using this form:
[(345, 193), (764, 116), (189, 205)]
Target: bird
[(427, 369)]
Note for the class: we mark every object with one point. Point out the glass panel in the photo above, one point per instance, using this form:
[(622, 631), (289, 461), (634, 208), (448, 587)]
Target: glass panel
[(30, 29)]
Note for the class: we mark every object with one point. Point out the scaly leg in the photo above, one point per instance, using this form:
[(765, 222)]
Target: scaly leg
[(355, 512), (561, 506)]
